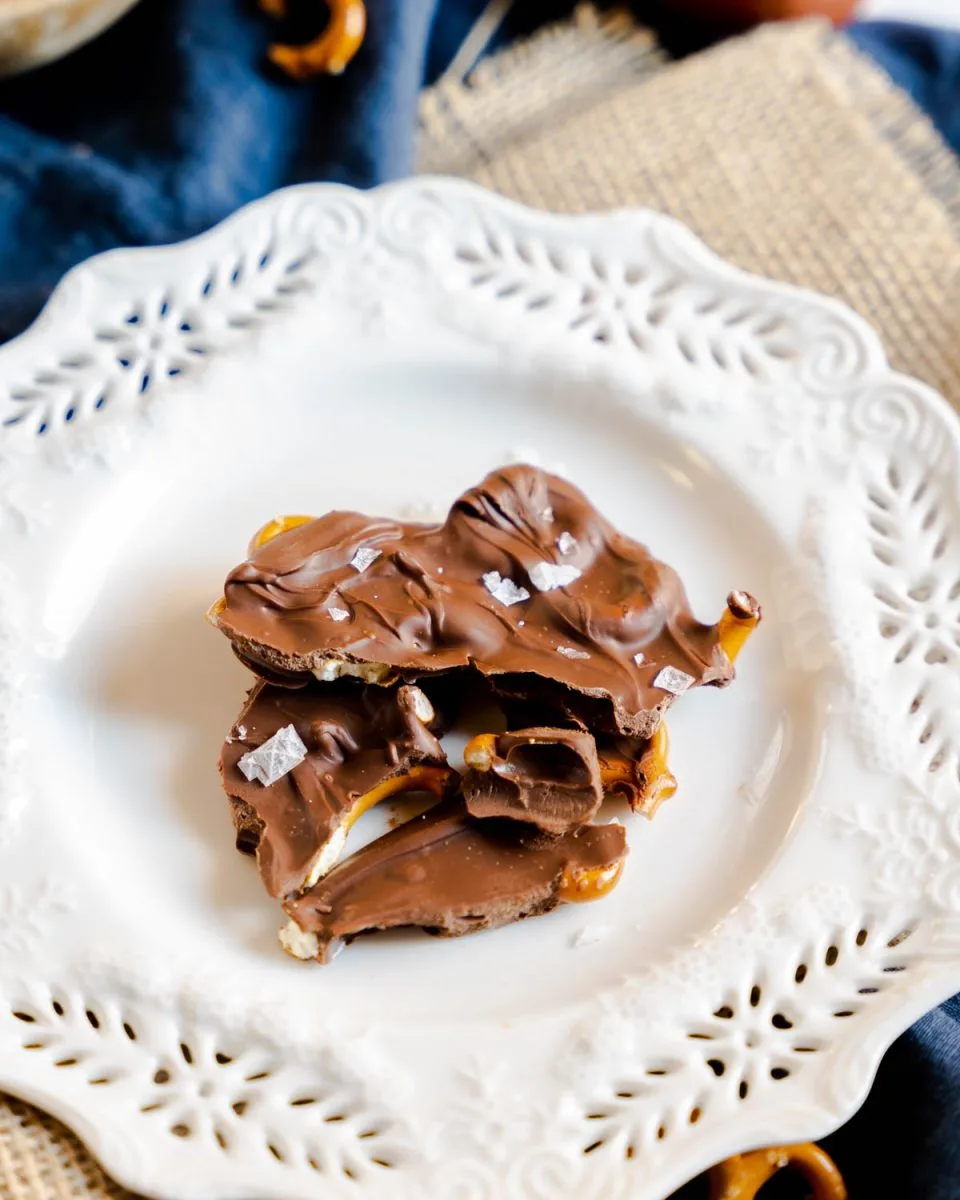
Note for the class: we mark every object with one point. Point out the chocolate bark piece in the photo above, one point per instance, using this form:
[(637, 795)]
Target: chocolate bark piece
[(363, 744), (450, 874), (525, 580), (549, 778)]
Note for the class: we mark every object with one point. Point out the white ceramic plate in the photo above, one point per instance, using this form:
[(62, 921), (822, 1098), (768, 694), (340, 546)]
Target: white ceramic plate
[(779, 923)]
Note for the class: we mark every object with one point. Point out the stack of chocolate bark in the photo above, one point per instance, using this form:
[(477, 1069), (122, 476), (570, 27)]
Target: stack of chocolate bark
[(367, 635)]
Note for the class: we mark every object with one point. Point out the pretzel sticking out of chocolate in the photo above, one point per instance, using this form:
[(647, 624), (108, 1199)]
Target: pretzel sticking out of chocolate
[(266, 533), (645, 779), (450, 874), (740, 618), (327, 54), (361, 747), (742, 1176)]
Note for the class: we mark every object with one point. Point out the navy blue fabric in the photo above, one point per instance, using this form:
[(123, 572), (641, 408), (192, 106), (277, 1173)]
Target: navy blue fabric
[(924, 62), (905, 1141), (171, 120)]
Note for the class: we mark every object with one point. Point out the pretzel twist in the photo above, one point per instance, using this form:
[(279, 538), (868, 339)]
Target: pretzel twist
[(742, 1176), (327, 54)]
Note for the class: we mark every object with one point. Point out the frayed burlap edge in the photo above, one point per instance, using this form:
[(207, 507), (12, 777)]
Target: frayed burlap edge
[(895, 117), (789, 152), (561, 69)]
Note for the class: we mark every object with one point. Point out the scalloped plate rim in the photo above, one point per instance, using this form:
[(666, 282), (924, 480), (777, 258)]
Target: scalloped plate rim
[(942, 977)]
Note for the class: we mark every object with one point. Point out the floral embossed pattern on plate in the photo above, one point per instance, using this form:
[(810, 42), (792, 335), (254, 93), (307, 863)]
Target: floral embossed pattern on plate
[(785, 916)]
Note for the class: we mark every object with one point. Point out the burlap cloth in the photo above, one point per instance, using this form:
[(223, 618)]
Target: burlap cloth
[(786, 151)]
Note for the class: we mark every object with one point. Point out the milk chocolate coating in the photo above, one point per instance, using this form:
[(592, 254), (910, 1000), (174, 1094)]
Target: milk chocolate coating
[(357, 736), (547, 777), (451, 875), (422, 606)]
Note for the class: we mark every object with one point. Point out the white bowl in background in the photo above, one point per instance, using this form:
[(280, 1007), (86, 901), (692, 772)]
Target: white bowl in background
[(34, 32)]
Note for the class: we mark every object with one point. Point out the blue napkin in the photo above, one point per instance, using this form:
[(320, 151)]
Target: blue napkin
[(924, 62), (170, 121)]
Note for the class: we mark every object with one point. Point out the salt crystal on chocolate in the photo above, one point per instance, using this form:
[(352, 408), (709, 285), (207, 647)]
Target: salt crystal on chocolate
[(504, 590), (570, 652), (275, 758), (338, 614), (566, 543), (638, 658), (673, 680), (547, 514), (364, 557), (547, 576)]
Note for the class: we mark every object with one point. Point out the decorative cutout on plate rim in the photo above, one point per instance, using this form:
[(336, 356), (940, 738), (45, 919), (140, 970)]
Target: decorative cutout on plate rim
[(748, 1042), (186, 1083), (159, 338)]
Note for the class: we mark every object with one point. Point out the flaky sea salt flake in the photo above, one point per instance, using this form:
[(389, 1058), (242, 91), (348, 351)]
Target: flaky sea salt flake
[(338, 614), (504, 590), (546, 576), (673, 680), (638, 658), (547, 515), (566, 543), (571, 652), (590, 935), (275, 758), (364, 557)]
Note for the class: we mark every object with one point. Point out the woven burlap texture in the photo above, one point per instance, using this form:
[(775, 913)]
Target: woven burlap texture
[(788, 153)]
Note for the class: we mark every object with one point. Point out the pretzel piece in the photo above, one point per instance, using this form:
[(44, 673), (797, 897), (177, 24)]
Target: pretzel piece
[(742, 1176), (740, 618), (327, 54), (646, 781), (266, 533)]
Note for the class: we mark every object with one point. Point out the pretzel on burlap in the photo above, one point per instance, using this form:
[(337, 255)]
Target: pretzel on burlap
[(742, 1176), (327, 54)]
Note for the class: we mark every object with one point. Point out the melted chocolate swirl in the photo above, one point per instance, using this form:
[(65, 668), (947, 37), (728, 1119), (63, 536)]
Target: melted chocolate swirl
[(429, 602)]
